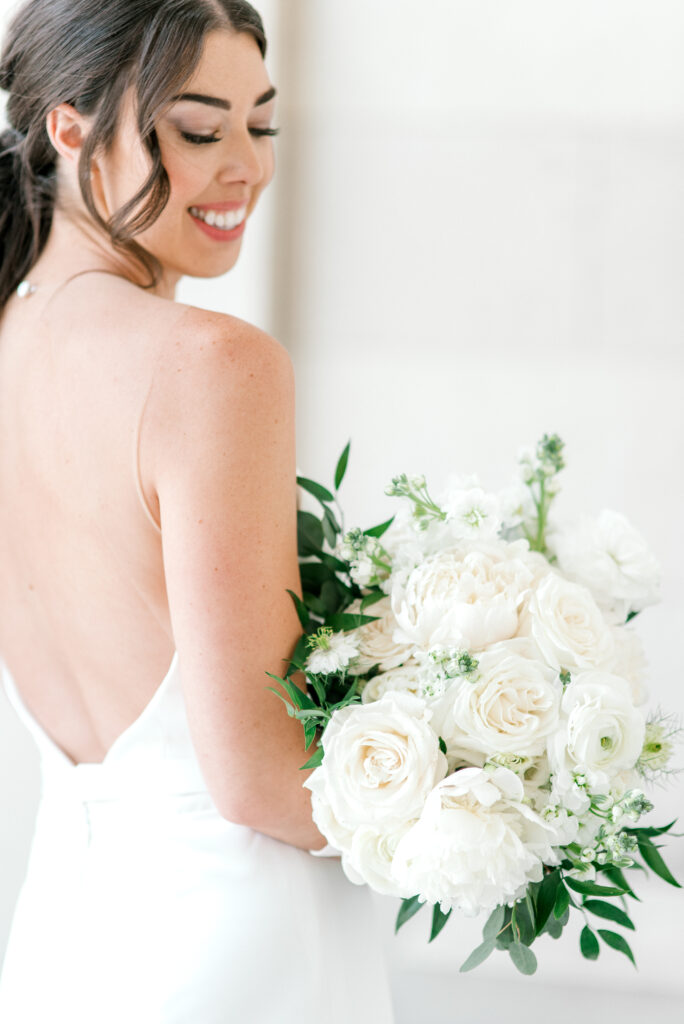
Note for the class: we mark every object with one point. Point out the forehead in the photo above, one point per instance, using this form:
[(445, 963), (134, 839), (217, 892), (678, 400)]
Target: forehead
[(230, 66)]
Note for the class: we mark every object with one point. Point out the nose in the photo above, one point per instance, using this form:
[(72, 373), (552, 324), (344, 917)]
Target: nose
[(244, 160)]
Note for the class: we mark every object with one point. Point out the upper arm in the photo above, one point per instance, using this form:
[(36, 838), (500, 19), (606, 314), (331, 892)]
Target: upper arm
[(225, 474)]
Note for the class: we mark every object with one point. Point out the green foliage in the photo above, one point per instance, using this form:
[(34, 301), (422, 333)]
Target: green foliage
[(609, 912), (589, 944), (439, 919), (478, 955), (523, 958), (617, 942), (409, 906), (341, 467)]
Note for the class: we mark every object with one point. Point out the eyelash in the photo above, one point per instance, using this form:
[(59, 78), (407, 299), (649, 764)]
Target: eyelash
[(202, 139)]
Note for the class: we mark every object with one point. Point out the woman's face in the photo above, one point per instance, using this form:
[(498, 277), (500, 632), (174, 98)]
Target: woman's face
[(218, 154)]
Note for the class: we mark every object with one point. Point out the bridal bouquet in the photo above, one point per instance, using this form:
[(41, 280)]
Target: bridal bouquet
[(475, 692)]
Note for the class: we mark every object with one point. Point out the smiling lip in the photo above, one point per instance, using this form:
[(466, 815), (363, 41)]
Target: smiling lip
[(219, 234), (221, 206)]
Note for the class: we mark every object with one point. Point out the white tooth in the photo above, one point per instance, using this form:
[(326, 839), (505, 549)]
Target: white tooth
[(219, 220), (231, 219), (210, 217)]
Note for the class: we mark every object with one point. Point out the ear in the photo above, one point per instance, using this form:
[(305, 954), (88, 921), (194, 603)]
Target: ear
[(67, 130)]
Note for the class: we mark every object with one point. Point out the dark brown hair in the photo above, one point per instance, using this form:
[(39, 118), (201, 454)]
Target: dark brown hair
[(87, 53)]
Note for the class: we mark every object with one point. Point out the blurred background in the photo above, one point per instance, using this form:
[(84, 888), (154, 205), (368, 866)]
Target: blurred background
[(475, 234)]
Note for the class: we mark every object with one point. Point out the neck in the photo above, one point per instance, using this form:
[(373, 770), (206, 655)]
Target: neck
[(72, 247)]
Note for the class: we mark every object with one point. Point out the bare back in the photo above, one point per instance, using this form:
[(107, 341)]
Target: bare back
[(84, 620)]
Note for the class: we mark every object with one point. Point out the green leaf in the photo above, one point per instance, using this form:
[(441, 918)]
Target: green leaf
[(617, 942), (309, 734), (409, 906), (592, 889), (656, 863), (494, 923), (523, 958), (309, 534), (554, 927), (442, 745), (439, 919), (616, 876), (290, 709), (330, 597), (372, 598), (341, 467), (522, 923), (589, 944), (562, 901), (298, 697), (650, 830), (314, 760), (377, 531), (546, 898), (608, 911), (347, 620), (302, 610), (478, 955), (318, 491)]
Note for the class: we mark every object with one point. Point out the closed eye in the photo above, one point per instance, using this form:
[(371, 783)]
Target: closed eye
[(200, 140)]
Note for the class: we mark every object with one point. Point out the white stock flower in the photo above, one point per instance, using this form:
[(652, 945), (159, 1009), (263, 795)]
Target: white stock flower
[(466, 596), (476, 844), (566, 624), (610, 557), (601, 733), (369, 858), (376, 646), (335, 652), (380, 762), (472, 513), (510, 707)]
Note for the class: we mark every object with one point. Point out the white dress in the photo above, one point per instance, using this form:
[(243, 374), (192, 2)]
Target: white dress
[(141, 904)]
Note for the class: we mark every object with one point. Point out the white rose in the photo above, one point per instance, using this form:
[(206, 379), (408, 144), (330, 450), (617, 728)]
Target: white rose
[(601, 732), (369, 859), (510, 707), (376, 646), (466, 596), (476, 844), (612, 559), (380, 762), (407, 678), (566, 624)]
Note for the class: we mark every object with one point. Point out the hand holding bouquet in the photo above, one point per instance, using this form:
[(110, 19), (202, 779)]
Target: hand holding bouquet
[(481, 739)]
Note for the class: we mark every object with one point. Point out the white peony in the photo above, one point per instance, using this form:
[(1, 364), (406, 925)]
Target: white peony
[(629, 662), (511, 707), (369, 858), (376, 646), (566, 624), (380, 762), (467, 596), (476, 844), (601, 732), (612, 559)]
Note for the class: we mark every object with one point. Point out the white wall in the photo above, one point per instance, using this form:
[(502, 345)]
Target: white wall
[(479, 236)]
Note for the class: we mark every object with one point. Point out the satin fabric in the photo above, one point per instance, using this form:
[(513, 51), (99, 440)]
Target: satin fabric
[(140, 903)]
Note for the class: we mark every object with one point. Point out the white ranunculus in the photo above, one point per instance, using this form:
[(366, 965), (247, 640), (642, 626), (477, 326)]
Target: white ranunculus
[(510, 707), (476, 844), (376, 646), (601, 733), (380, 762), (612, 559), (466, 596), (566, 624), (407, 678), (629, 662), (369, 858)]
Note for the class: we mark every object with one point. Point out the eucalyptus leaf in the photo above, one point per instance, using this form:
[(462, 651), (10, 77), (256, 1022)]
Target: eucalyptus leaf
[(478, 955), (554, 927), (523, 958), (523, 923), (494, 923), (409, 906)]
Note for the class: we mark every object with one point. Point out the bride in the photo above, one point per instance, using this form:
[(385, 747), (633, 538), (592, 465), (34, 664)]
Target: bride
[(148, 540)]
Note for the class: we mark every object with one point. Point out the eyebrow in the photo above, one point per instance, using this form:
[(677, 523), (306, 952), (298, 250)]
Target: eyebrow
[(216, 101)]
